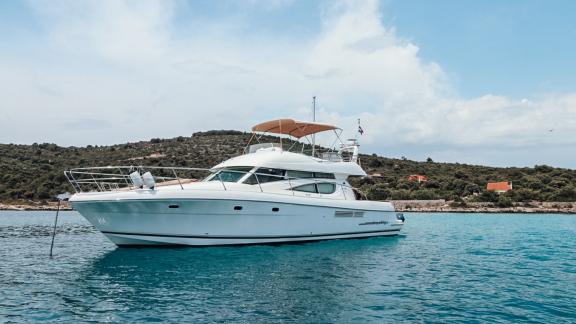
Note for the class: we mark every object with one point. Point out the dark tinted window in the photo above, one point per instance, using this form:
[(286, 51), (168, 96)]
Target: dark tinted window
[(268, 175), (251, 180), (326, 188), (306, 174), (299, 174), (321, 175), (306, 188)]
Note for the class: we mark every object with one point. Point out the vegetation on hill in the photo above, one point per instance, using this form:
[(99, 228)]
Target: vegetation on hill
[(35, 172), (458, 182)]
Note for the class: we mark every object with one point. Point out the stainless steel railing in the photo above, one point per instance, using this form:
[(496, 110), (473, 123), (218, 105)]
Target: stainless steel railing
[(118, 178), (327, 154), (110, 178)]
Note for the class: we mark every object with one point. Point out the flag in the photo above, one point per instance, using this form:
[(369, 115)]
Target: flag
[(360, 130)]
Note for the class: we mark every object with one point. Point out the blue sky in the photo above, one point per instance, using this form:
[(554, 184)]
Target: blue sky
[(484, 82), (514, 48)]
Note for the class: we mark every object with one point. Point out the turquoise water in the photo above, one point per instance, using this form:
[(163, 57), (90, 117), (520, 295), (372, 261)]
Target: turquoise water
[(445, 267)]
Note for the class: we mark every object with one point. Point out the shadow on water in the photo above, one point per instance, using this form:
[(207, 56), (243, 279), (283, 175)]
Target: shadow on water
[(281, 281)]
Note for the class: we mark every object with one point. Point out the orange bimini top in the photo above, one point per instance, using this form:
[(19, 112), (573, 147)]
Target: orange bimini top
[(292, 127), (498, 186)]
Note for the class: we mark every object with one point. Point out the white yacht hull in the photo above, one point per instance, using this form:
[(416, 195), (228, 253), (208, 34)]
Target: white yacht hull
[(225, 218)]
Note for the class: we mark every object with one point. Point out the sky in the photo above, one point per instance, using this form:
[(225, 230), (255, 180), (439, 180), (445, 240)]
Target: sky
[(481, 82)]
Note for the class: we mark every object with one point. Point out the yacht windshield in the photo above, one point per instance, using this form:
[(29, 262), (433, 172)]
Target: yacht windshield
[(229, 174), (264, 175)]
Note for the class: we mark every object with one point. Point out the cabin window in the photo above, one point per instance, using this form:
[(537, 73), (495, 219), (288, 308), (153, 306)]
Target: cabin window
[(322, 188), (305, 175), (321, 175), (230, 174), (306, 188), (299, 174), (326, 188), (268, 175), (263, 175), (251, 180)]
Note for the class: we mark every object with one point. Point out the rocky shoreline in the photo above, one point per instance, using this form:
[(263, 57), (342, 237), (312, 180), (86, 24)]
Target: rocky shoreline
[(420, 206), (443, 206), (35, 206)]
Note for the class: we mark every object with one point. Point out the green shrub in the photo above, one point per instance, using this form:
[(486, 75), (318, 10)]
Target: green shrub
[(504, 202)]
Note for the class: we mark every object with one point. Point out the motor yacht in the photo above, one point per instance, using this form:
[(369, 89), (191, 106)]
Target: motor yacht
[(291, 191)]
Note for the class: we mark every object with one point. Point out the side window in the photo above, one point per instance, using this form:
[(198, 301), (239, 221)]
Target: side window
[(306, 188), (299, 174), (326, 188), (269, 175), (321, 175), (251, 180)]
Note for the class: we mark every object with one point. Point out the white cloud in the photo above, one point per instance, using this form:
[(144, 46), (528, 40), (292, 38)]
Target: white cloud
[(122, 30), (130, 64)]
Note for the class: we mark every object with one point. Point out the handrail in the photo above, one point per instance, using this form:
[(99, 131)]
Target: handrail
[(89, 177), (322, 153)]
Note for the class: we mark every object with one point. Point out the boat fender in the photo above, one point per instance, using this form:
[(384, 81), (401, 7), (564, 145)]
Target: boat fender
[(136, 179), (148, 179)]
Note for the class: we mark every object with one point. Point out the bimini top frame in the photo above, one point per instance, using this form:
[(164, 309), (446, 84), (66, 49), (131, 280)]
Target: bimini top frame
[(298, 129)]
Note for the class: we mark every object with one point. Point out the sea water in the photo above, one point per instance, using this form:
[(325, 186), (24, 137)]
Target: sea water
[(444, 267)]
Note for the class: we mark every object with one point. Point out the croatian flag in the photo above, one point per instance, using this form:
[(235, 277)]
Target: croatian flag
[(360, 130)]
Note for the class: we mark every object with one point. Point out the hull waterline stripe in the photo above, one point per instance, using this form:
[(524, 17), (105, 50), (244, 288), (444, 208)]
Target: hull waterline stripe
[(249, 237)]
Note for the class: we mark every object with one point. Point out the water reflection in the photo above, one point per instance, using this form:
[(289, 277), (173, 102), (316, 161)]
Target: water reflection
[(284, 282), (32, 231)]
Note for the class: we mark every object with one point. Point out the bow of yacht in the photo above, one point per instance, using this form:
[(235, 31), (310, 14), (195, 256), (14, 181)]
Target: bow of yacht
[(269, 194)]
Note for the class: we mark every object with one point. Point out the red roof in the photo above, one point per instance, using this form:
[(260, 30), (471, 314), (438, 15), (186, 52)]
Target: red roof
[(498, 186), (417, 177)]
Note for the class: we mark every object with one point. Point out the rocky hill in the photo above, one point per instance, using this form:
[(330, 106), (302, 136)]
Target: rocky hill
[(35, 172)]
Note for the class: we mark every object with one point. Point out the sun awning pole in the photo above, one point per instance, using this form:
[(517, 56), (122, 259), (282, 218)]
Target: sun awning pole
[(314, 120), (280, 127)]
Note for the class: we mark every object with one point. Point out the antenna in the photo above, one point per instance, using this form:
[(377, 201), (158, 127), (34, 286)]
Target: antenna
[(314, 108), (314, 120)]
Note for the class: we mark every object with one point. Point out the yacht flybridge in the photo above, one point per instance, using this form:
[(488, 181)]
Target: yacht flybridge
[(273, 193)]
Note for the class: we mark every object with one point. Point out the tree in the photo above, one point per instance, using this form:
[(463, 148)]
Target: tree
[(424, 194), (487, 196), (378, 192), (504, 202), (568, 193)]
